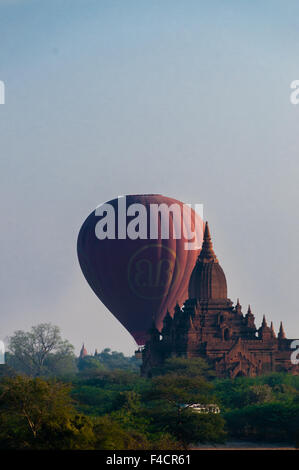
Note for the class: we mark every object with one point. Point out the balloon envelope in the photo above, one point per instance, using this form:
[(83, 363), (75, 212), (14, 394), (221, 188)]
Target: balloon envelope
[(138, 280)]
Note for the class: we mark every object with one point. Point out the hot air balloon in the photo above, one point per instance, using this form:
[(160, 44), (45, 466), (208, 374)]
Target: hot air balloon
[(140, 272)]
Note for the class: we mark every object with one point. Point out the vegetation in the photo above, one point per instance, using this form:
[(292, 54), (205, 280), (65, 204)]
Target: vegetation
[(50, 400), (41, 352), (264, 408), (111, 360), (36, 414)]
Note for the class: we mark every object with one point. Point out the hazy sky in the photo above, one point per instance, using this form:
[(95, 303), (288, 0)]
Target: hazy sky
[(189, 99)]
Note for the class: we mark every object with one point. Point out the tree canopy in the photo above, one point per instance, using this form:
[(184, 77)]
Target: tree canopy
[(41, 351)]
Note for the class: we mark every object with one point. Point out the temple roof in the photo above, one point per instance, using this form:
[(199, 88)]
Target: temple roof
[(281, 333), (207, 279), (207, 253), (83, 352)]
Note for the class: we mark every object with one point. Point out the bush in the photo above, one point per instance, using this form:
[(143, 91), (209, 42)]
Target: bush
[(271, 421)]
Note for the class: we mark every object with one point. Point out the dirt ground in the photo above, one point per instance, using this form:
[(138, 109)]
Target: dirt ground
[(236, 445)]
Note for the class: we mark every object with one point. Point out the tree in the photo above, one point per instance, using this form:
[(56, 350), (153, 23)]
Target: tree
[(98, 392), (245, 391), (169, 408), (110, 435), (130, 412), (36, 414), (260, 394), (194, 366), (275, 422), (40, 351), (178, 389), (117, 360), (89, 364)]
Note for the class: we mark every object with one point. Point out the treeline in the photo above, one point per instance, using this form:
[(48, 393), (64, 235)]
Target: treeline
[(43, 352), (264, 408), (108, 359), (50, 400)]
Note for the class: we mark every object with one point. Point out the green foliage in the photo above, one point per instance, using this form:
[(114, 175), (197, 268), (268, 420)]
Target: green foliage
[(110, 360), (269, 421), (191, 367), (37, 414), (185, 425), (90, 364), (112, 380), (61, 364), (164, 441), (94, 401), (260, 394), (100, 392), (246, 391), (260, 408), (41, 352), (110, 435), (179, 389), (130, 412), (152, 408), (167, 410), (107, 405)]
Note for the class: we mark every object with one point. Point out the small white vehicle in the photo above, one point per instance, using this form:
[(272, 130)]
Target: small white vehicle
[(201, 408)]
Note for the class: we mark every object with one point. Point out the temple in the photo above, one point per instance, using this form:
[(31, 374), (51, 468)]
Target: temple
[(83, 352), (209, 326)]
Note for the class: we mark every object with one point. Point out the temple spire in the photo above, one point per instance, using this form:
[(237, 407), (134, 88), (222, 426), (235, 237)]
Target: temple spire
[(207, 253), (83, 352), (281, 334), (238, 307), (272, 330), (207, 281), (264, 323)]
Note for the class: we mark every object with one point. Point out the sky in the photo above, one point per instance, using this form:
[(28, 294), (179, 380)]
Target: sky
[(189, 99)]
